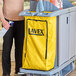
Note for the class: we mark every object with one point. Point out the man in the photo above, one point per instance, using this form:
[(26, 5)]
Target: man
[(10, 11)]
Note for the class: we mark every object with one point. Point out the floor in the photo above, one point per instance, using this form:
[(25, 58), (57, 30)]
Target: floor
[(13, 67)]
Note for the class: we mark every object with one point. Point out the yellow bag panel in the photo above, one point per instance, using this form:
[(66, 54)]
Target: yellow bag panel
[(39, 43)]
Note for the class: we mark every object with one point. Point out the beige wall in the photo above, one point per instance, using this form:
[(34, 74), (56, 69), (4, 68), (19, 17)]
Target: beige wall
[(1, 41)]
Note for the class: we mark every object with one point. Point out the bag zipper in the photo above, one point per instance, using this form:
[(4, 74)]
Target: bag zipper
[(46, 40)]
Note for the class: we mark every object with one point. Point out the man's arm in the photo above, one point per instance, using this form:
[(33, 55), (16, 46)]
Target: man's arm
[(2, 19)]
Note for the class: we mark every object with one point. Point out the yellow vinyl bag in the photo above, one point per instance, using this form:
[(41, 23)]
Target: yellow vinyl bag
[(39, 48)]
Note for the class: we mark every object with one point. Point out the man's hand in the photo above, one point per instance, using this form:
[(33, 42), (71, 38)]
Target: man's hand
[(6, 25)]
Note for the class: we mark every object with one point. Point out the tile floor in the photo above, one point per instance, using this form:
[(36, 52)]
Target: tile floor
[(13, 67)]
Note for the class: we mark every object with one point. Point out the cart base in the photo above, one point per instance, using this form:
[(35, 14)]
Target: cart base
[(62, 70)]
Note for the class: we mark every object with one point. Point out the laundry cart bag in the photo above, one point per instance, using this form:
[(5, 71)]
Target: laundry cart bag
[(39, 48)]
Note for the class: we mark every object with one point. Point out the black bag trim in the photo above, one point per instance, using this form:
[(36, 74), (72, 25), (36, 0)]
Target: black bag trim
[(46, 34)]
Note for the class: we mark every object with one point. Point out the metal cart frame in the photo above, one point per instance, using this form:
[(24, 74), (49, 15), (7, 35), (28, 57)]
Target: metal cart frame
[(66, 67)]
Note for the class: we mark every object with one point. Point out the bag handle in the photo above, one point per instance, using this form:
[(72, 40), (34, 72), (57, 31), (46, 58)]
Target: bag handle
[(39, 9), (40, 6)]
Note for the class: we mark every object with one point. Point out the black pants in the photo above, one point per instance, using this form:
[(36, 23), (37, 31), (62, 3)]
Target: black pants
[(16, 32)]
